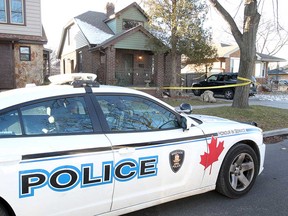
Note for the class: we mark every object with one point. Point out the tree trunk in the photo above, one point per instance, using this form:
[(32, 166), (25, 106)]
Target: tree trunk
[(247, 52), (173, 78), (247, 45)]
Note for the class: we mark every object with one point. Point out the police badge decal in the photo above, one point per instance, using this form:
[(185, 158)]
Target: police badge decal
[(176, 160)]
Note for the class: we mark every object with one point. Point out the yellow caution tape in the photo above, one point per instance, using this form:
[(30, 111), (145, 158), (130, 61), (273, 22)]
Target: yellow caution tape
[(246, 82)]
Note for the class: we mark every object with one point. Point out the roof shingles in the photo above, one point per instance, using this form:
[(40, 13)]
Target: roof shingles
[(93, 27)]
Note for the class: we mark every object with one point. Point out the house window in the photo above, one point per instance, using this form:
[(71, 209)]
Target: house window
[(12, 11), (3, 16), (80, 62), (128, 24), (25, 54), (68, 36), (16, 12)]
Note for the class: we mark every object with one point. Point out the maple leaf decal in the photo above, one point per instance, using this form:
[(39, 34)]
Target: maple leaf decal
[(207, 159)]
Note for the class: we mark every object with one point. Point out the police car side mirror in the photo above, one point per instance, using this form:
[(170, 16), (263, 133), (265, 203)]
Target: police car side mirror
[(186, 122)]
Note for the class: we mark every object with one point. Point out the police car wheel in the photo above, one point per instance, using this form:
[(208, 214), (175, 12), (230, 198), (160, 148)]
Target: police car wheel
[(238, 172), (3, 211)]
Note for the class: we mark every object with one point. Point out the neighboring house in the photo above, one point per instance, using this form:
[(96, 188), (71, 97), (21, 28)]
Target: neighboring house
[(278, 79), (278, 74), (229, 59), (115, 46), (21, 43)]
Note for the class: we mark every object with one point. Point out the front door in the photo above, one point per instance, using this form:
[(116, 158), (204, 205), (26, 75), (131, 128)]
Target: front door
[(154, 157), (128, 61), (6, 66)]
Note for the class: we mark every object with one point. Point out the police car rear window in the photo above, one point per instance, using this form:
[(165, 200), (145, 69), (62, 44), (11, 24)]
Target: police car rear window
[(10, 124)]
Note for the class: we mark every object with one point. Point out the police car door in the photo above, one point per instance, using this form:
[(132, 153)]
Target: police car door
[(55, 163), (154, 157)]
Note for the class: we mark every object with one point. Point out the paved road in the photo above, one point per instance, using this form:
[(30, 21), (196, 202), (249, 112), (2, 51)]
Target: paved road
[(267, 197)]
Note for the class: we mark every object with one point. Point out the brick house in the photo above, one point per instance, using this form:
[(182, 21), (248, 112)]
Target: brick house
[(115, 46), (228, 60), (21, 43)]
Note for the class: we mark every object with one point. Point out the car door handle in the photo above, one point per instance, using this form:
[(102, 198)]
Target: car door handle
[(126, 150), (10, 159)]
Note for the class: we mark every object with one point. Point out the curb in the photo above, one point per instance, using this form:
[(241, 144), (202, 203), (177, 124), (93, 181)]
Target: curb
[(279, 132)]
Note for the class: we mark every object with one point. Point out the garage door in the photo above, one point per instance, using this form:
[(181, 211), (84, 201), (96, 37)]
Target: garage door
[(6, 66)]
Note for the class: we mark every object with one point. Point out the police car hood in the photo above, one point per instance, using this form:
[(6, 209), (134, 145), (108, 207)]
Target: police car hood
[(210, 119), (205, 119)]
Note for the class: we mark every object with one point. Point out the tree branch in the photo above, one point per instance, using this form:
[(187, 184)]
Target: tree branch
[(227, 17)]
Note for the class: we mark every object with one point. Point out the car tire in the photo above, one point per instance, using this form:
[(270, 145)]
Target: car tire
[(229, 94), (197, 92), (3, 211), (238, 172)]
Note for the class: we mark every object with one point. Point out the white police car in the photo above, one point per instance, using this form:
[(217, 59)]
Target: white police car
[(74, 150)]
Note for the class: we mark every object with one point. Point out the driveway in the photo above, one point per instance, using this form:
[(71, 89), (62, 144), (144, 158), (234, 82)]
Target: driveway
[(277, 100)]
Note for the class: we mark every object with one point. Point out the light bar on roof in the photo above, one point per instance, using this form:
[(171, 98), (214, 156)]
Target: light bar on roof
[(66, 78)]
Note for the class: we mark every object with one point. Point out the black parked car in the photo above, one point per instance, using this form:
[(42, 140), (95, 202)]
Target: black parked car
[(222, 79)]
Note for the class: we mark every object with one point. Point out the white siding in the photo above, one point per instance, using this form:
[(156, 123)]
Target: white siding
[(112, 25), (137, 41), (131, 14), (33, 21), (77, 40)]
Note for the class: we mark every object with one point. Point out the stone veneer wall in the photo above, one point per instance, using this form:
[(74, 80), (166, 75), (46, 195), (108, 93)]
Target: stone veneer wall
[(29, 71)]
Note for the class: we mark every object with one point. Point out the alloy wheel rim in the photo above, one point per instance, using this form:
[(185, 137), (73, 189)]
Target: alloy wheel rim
[(241, 172)]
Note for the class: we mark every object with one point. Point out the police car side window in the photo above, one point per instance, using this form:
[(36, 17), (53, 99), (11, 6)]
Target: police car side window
[(131, 113), (57, 116), (10, 124)]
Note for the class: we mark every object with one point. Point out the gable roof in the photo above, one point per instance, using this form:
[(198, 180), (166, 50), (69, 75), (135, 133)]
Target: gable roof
[(225, 50), (268, 58), (95, 30), (134, 4), (280, 71), (118, 37), (94, 34), (95, 19)]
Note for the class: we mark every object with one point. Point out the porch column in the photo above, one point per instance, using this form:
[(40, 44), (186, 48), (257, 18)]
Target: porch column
[(159, 68), (110, 65), (159, 64)]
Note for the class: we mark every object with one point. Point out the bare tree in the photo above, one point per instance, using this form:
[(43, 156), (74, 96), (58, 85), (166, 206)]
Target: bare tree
[(246, 40), (271, 37)]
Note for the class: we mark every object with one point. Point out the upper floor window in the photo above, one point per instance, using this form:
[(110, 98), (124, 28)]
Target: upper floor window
[(16, 11), (25, 53), (3, 11), (128, 24), (12, 11)]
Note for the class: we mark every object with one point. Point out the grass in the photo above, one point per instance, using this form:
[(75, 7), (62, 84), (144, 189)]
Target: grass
[(267, 118)]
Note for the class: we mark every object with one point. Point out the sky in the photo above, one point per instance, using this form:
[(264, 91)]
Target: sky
[(57, 13)]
